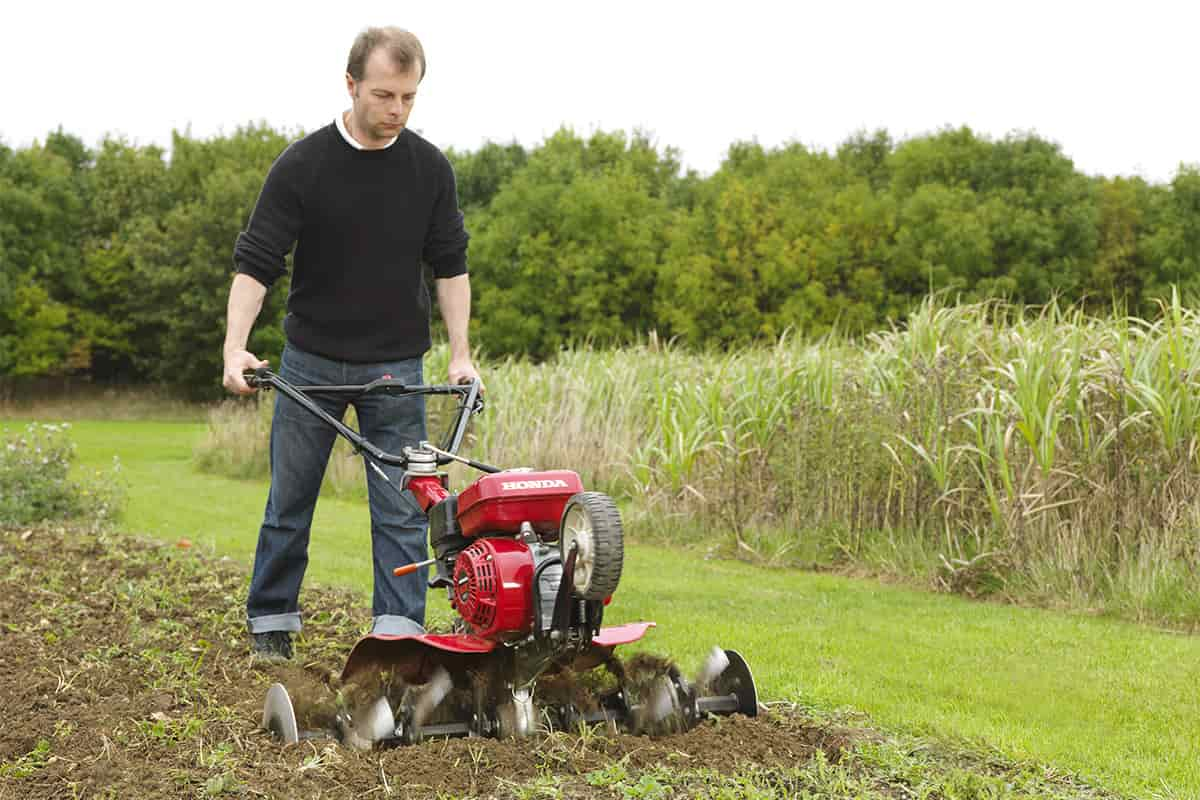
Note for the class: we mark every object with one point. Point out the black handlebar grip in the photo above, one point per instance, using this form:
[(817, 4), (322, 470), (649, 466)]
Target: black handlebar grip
[(256, 378)]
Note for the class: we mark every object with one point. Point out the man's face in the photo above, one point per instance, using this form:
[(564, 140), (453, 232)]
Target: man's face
[(383, 99)]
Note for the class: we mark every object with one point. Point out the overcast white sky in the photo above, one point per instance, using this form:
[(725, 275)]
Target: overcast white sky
[(1115, 83)]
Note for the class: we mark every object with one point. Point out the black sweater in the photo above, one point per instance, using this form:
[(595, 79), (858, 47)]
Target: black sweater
[(362, 221)]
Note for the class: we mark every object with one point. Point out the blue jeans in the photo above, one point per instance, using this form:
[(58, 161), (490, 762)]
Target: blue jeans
[(300, 447)]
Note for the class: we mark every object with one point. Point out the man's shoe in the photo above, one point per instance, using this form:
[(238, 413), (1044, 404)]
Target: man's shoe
[(272, 647)]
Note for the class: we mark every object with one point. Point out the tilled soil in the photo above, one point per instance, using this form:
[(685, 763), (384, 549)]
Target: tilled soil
[(125, 672)]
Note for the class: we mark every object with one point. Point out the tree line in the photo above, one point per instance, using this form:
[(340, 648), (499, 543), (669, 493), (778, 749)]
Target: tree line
[(115, 261)]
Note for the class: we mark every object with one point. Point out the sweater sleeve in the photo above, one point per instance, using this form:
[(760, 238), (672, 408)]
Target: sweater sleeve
[(445, 247), (275, 222)]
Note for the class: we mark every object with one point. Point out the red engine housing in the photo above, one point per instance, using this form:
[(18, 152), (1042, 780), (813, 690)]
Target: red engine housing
[(492, 588), (500, 502)]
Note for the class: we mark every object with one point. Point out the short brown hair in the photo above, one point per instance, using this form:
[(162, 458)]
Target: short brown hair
[(404, 48)]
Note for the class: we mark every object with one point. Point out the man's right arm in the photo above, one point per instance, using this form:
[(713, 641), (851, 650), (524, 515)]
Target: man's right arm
[(245, 301), (260, 256)]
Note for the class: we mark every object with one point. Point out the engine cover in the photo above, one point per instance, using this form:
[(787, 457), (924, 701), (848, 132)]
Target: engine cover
[(500, 502), (492, 588)]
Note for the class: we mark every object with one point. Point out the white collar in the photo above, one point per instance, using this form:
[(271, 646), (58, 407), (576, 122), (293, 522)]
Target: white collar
[(341, 126)]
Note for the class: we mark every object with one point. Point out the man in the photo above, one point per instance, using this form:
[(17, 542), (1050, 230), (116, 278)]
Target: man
[(366, 202)]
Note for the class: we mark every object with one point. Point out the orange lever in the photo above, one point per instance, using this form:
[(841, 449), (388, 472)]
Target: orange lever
[(407, 568)]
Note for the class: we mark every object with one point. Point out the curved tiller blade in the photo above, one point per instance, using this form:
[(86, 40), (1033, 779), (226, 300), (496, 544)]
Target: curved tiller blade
[(431, 696), (279, 717), (715, 664), (733, 691), (374, 723)]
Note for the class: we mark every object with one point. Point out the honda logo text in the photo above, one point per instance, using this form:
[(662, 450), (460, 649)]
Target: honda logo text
[(548, 484)]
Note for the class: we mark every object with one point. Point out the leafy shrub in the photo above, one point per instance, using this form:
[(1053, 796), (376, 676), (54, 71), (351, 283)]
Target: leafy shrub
[(35, 484)]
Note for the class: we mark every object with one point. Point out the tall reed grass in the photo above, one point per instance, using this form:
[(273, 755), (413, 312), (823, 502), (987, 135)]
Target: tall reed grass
[(237, 444), (1038, 454)]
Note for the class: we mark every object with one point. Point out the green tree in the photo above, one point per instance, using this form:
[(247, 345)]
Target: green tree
[(43, 216), (1021, 221), (482, 173), (129, 186), (868, 155), (1120, 270), (167, 272), (569, 247), (35, 340), (944, 242), (780, 240), (1173, 246)]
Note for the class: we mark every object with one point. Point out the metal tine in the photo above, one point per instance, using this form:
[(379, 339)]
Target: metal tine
[(431, 696), (716, 663)]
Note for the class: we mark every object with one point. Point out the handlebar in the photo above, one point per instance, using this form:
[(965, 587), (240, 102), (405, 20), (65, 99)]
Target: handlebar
[(471, 403)]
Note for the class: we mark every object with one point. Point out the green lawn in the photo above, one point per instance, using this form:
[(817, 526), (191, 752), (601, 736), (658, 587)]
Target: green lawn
[(1110, 700)]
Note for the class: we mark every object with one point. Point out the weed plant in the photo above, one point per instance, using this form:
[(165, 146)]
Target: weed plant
[(34, 482), (988, 449)]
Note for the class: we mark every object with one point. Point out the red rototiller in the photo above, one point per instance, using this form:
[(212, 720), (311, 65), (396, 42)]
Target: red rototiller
[(530, 561)]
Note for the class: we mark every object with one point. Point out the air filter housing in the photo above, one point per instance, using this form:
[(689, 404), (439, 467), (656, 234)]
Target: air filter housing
[(499, 503)]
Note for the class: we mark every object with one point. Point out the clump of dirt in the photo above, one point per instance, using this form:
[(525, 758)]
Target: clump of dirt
[(568, 688), (314, 697)]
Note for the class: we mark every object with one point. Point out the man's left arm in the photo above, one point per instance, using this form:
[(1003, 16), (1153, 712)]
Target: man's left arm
[(446, 252), (454, 300)]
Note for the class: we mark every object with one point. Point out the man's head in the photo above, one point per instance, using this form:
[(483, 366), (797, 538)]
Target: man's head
[(382, 74)]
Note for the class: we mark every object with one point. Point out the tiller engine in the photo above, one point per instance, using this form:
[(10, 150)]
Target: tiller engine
[(530, 561)]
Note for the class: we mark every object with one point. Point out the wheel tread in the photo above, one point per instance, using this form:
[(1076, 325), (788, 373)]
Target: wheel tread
[(608, 542)]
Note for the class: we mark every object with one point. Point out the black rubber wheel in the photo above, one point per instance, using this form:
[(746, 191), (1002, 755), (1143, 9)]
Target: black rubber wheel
[(592, 524)]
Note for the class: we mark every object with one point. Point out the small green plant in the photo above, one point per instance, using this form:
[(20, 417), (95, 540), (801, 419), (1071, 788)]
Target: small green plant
[(647, 787), (35, 484), (165, 730), (220, 784), (614, 774), (29, 763)]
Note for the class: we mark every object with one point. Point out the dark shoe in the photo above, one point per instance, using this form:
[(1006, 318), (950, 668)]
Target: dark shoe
[(272, 647)]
